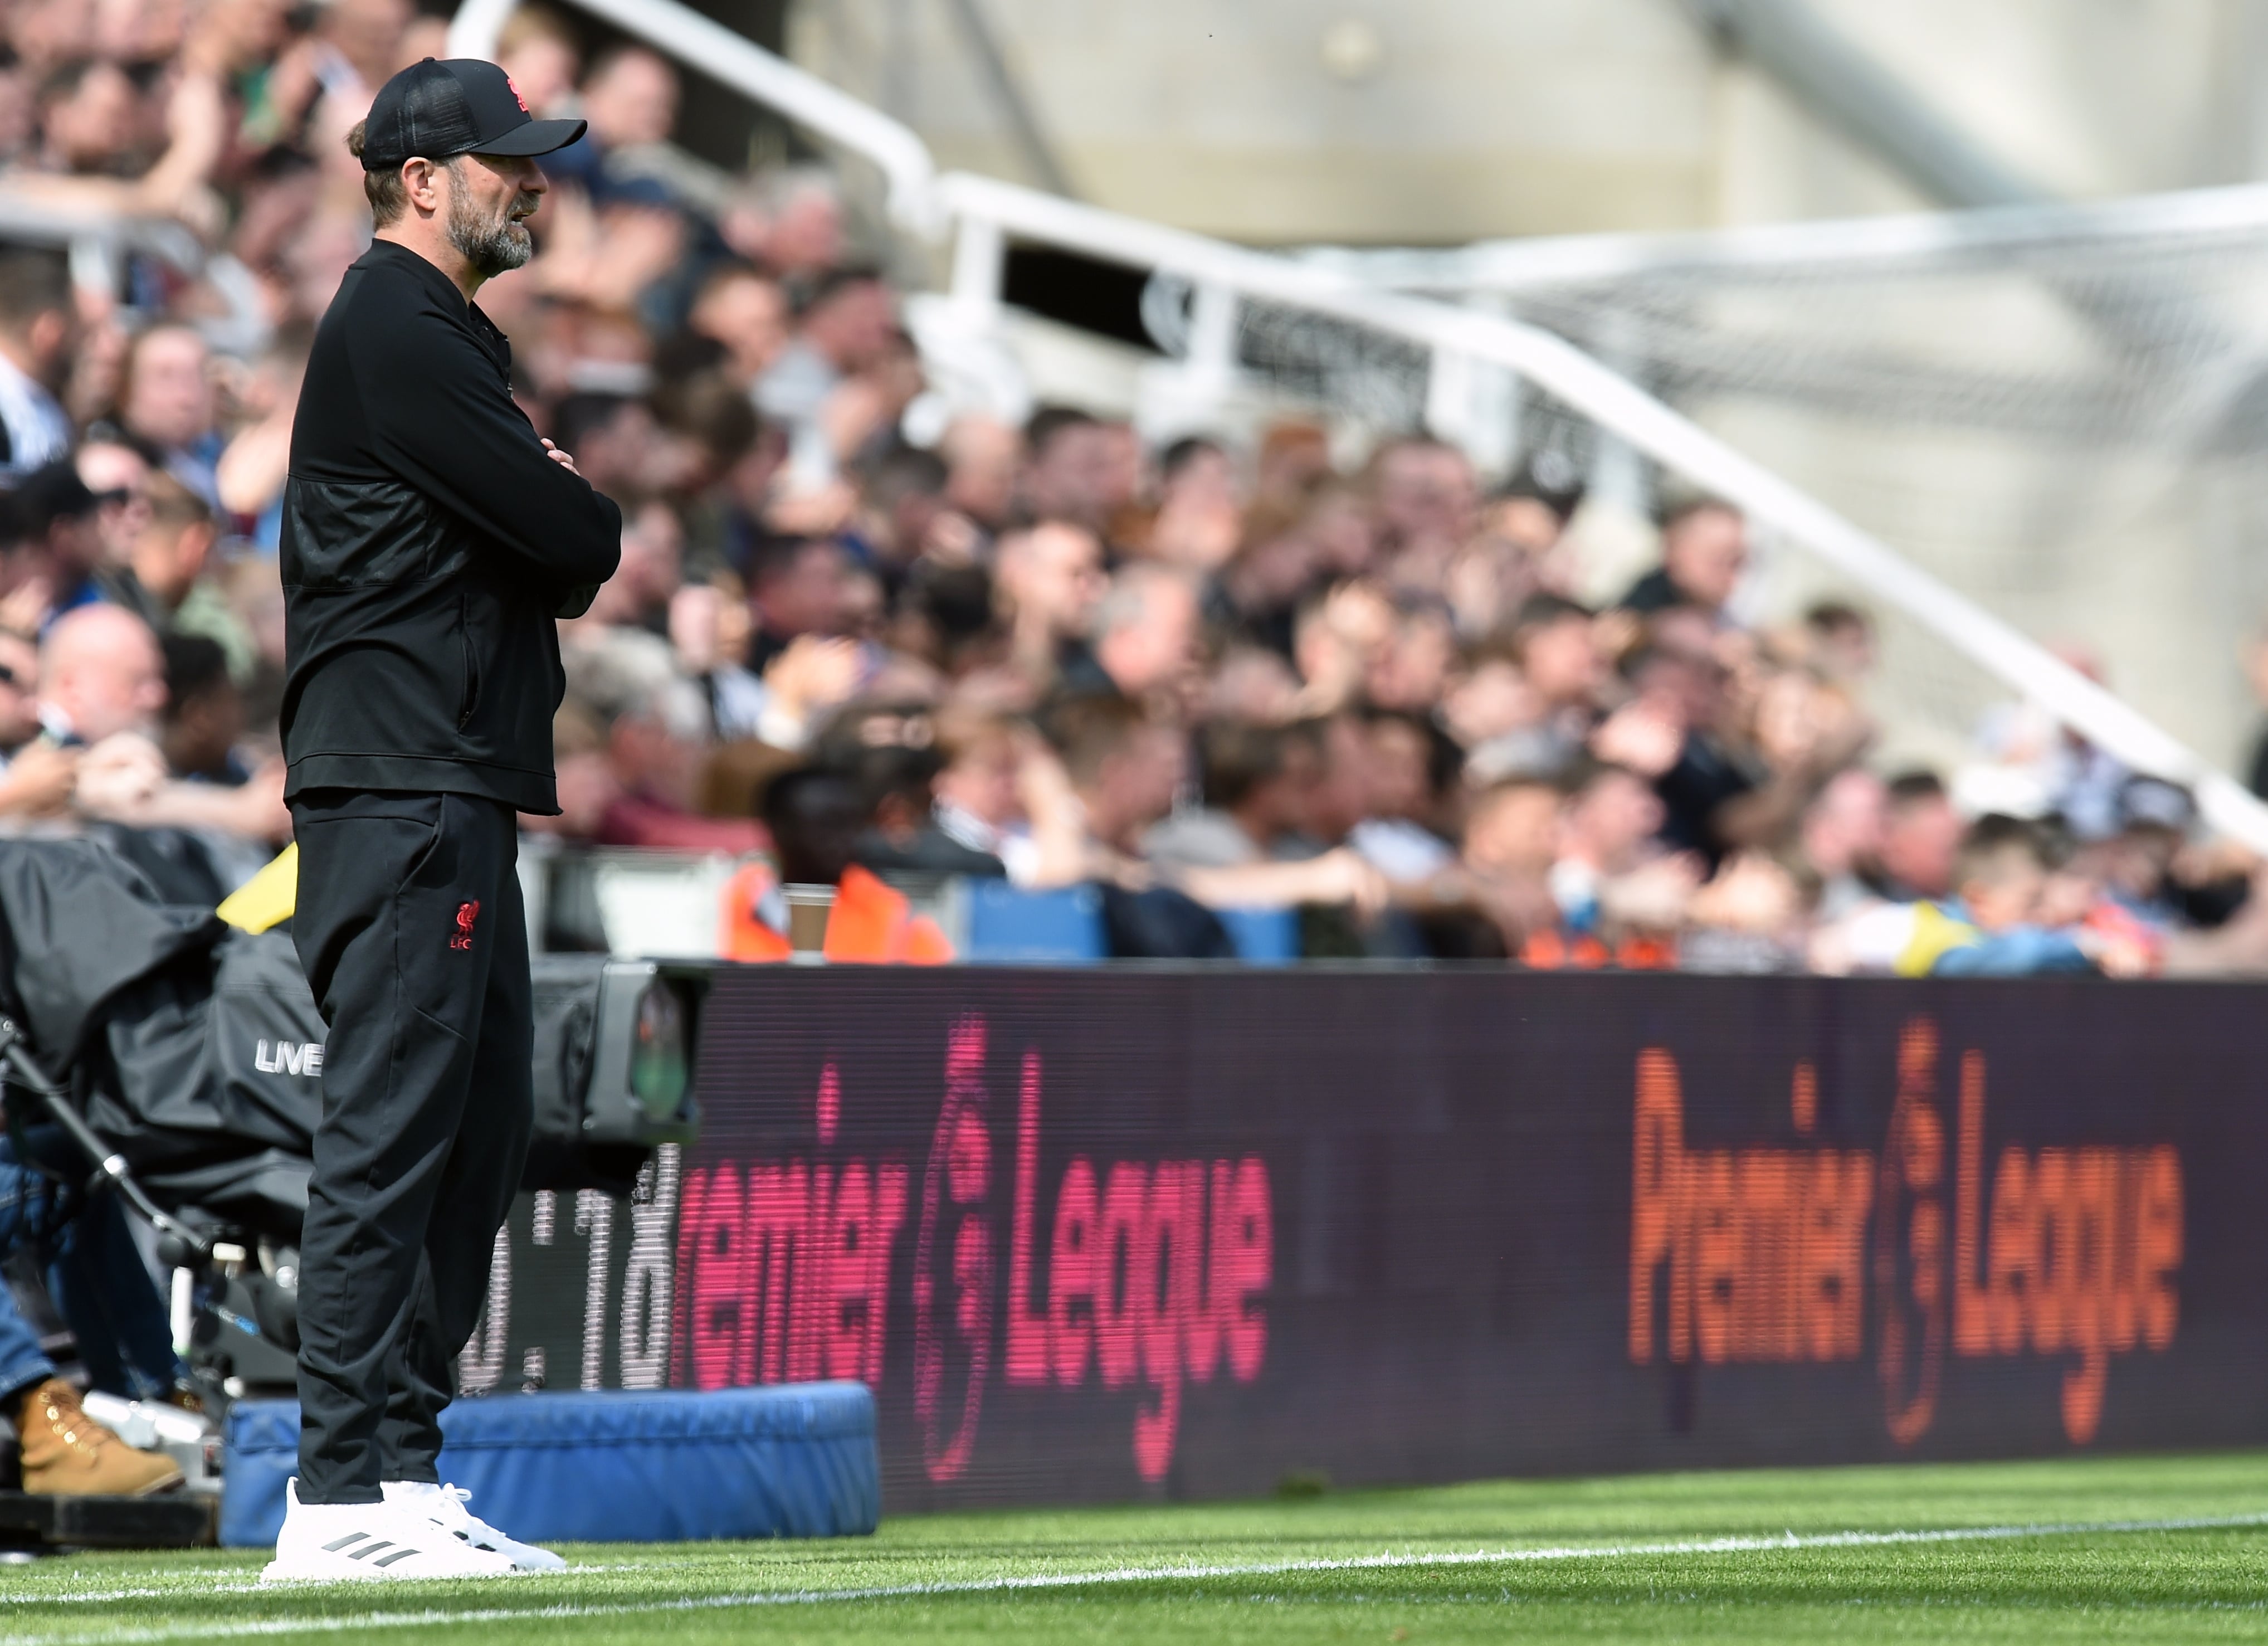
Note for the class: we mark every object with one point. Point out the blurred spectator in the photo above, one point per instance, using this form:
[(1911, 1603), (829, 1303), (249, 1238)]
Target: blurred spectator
[(1988, 928), (203, 719), (1072, 471), (1921, 833), (1258, 784), (101, 674), (797, 586), (740, 308), (1705, 549), (1426, 502), (541, 53), (163, 581), (815, 816), (168, 404), (38, 327), (1146, 633), (846, 326), (1842, 842), (1617, 894), (57, 549), (37, 774), (983, 458), (118, 474), (1050, 581)]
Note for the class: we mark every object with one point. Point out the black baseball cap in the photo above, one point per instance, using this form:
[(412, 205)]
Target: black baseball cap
[(442, 107), (50, 494)]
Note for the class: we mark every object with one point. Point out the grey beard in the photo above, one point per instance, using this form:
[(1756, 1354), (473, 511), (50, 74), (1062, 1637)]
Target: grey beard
[(492, 246)]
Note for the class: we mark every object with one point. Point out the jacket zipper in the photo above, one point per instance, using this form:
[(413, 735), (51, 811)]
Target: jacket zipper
[(472, 678)]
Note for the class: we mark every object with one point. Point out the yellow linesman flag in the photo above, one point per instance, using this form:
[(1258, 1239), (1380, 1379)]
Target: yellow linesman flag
[(268, 897)]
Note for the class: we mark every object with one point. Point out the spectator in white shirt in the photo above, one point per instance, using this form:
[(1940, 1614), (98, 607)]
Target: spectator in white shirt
[(38, 327)]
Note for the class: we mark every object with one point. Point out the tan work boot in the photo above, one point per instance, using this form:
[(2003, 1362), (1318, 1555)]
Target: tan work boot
[(68, 1453)]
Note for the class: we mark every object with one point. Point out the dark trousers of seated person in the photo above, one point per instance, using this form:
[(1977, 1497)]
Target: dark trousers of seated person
[(410, 928)]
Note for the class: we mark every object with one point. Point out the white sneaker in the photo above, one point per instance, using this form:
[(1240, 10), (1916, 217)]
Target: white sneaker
[(323, 1543), (445, 1507)]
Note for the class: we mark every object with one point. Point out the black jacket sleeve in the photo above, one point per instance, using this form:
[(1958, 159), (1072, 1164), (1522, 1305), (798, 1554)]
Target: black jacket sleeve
[(439, 415)]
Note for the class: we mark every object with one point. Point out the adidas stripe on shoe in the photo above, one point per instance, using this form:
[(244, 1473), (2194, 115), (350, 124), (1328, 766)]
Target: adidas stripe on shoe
[(325, 1543)]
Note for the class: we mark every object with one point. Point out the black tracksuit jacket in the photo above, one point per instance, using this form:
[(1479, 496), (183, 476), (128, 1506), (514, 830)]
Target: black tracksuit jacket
[(428, 544)]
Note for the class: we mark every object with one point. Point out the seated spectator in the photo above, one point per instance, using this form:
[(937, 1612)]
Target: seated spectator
[(1147, 634), (541, 53), (37, 774), (815, 818), (1562, 676), (1705, 549), (1199, 518), (745, 311), (630, 101), (1048, 578), (164, 580), (168, 404), (1001, 790), (100, 674), (96, 1276), (117, 470), (797, 586), (204, 720), (1413, 769), (1921, 837), (1747, 920), (1842, 842), (889, 751), (1072, 470), (1125, 768), (1427, 502), (848, 325), (984, 459), (1988, 928), (657, 735), (1725, 787), (908, 516), (1511, 848), (102, 686), (1258, 785), (58, 544), (1620, 897), (1840, 641), (38, 327)]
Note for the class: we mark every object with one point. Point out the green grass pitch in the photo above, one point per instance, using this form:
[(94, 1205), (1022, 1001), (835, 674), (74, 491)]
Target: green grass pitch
[(2159, 1549)]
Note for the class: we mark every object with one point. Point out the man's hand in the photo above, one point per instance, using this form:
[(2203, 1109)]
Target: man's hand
[(562, 459), (120, 777), (39, 781)]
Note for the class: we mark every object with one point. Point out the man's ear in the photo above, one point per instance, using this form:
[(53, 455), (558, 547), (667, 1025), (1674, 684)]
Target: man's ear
[(50, 331), (421, 180), (194, 545)]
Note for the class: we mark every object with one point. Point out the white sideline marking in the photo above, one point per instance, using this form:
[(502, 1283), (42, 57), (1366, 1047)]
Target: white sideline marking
[(214, 1629)]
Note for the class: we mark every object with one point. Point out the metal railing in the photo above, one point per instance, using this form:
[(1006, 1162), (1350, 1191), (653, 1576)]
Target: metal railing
[(984, 212)]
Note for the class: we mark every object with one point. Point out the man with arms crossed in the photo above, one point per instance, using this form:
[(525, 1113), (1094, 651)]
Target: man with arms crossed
[(429, 539)]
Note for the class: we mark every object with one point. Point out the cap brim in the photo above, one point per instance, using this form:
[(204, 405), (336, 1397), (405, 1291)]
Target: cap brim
[(537, 137)]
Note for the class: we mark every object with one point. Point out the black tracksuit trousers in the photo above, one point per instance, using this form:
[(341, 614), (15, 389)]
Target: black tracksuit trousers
[(410, 926)]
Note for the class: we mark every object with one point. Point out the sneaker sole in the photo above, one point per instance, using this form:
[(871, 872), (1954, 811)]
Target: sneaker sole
[(275, 1572)]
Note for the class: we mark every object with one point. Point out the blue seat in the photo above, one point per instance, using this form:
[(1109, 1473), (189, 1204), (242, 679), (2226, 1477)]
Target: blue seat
[(1264, 937), (1009, 927)]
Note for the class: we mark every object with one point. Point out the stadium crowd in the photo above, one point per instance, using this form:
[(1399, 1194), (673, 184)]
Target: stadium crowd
[(1208, 676)]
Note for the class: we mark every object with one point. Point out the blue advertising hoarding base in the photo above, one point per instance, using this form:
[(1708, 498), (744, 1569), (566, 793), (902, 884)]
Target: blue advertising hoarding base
[(795, 1460)]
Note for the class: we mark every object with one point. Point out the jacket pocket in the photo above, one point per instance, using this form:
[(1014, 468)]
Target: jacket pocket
[(470, 693)]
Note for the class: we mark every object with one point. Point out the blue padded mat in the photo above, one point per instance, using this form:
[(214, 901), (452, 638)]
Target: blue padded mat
[(796, 1460)]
